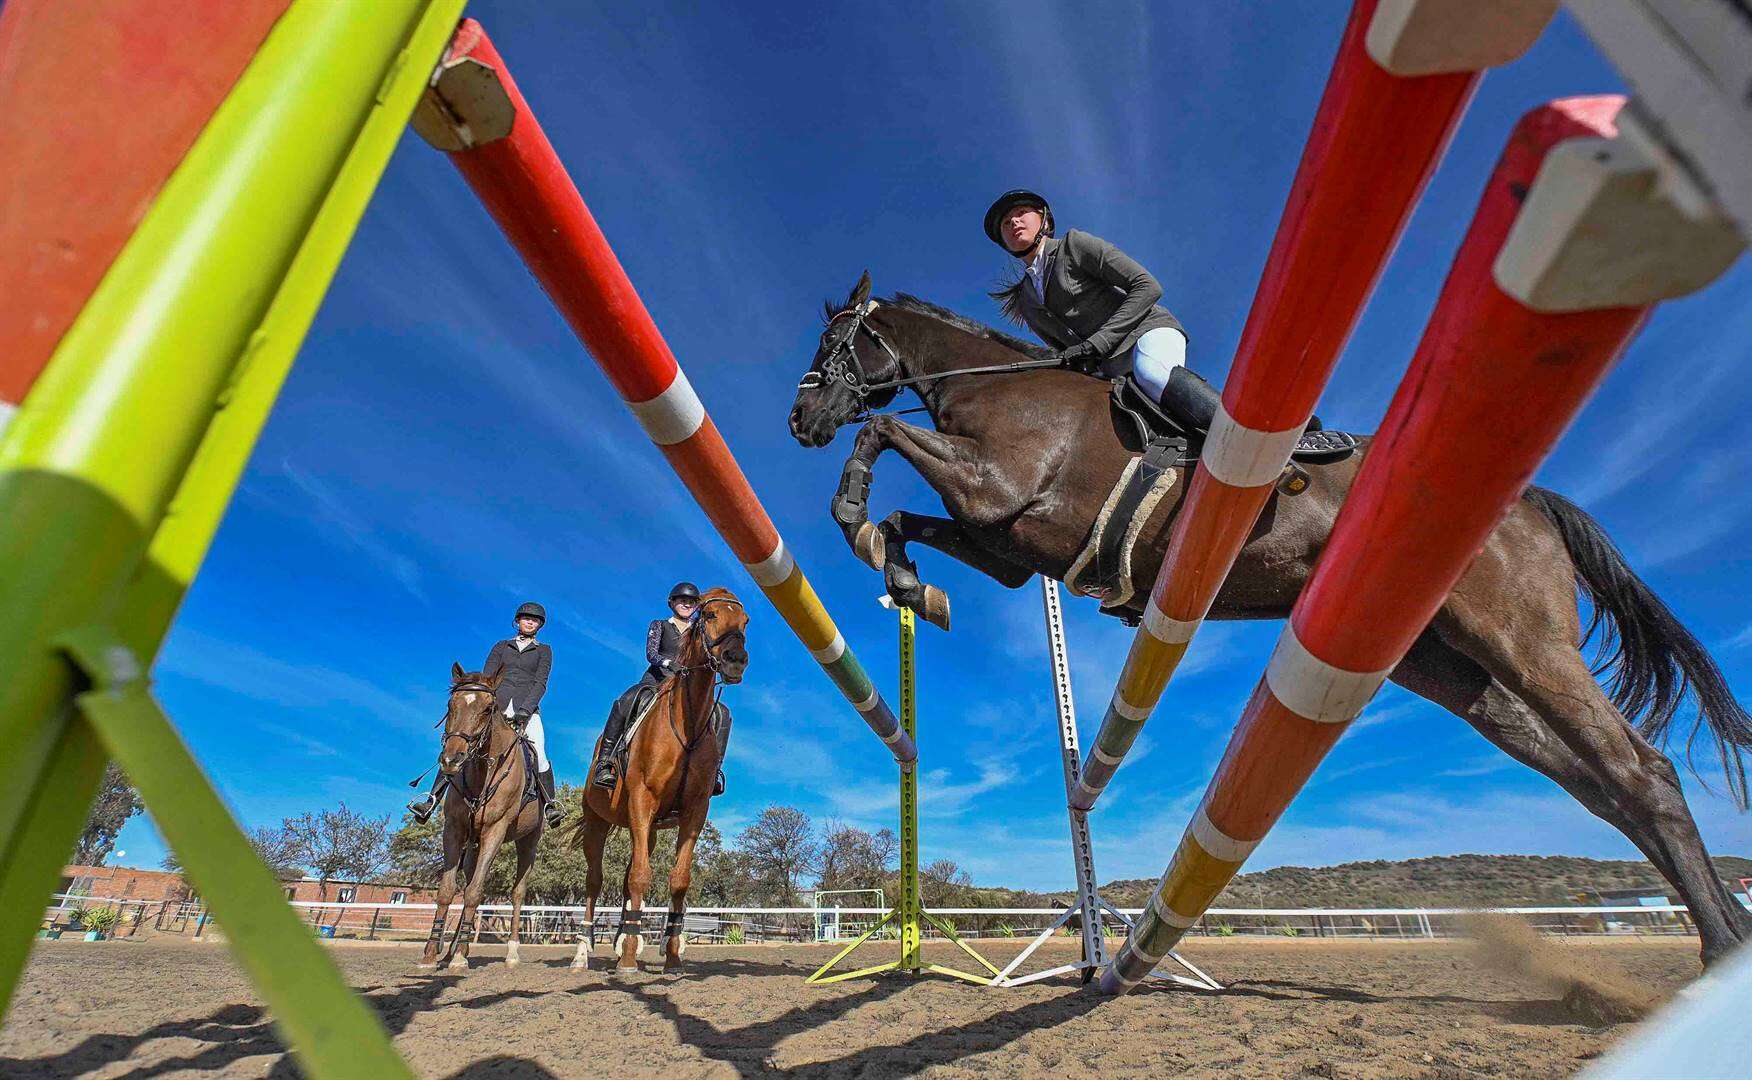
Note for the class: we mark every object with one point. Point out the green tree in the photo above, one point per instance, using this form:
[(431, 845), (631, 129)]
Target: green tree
[(854, 859), (337, 844), (271, 847), (116, 802), (779, 849)]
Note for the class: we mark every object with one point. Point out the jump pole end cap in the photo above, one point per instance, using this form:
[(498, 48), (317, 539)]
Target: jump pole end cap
[(1611, 223), (464, 106), (1434, 37)]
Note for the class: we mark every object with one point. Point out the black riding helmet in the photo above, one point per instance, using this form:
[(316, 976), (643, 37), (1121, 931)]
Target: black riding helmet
[(534, 610), (1009, 200), (684, 590)]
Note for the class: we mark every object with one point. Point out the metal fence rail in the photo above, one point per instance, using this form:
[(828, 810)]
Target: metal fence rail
[(559, 923)]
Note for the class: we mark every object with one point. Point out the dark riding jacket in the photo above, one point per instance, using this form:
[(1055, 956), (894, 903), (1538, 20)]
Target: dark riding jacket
[(662, 650), (525, 671), (1098, 302)]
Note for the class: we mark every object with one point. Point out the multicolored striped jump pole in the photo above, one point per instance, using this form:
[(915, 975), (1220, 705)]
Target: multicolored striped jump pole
[(475, 112), (1403, 76), (1553, 280)]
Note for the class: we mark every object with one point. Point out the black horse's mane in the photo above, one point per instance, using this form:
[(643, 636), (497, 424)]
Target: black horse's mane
[(909, 302)]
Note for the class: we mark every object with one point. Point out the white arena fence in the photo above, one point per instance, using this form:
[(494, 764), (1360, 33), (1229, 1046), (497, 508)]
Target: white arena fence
[(736, 925)]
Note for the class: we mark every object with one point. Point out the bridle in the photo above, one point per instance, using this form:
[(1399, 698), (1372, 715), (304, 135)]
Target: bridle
[(715, 646), (849, 371), (475, 742)]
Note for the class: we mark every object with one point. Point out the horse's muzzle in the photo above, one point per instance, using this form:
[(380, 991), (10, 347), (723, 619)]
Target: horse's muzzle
[(814, 431), (448, 764)]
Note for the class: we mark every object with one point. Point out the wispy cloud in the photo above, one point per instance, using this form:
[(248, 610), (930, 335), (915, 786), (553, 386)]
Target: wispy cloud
[(346, 528)]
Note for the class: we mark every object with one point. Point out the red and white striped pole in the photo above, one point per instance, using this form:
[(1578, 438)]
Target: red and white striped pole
[(1403, 76), (1575, 238), (475, 112)]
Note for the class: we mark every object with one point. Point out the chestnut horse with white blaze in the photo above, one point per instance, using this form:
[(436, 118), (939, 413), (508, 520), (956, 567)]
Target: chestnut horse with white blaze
[(672, 764), (484, 806)]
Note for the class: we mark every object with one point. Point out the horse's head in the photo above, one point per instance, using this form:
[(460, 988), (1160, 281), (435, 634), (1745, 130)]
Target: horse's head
[(468, 719), (722, 631), (844, 380)]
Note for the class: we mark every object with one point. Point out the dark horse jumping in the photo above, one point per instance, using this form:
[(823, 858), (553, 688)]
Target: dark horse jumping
[(1024, 461)]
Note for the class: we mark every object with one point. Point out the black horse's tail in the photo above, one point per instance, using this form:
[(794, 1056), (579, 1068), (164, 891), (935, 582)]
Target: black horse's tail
[(1654, 661)]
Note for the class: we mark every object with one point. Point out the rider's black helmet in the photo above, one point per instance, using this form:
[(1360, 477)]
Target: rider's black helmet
[(684, 590), (1008, 201), (534, 609)]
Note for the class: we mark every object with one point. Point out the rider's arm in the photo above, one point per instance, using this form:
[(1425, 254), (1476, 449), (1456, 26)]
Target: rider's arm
[(495, 663), (1096, 258), (654, 645), (544, 660)]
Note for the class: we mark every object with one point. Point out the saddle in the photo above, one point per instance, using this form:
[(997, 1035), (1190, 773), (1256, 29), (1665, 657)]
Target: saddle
[(1103, 568), (639, 707)]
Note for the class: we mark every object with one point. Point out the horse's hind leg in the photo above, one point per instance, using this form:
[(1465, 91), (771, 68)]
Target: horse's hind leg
[(592, 836), (1567, 729), (525, 859)]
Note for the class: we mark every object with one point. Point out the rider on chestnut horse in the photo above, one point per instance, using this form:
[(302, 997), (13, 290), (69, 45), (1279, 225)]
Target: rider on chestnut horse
[(662, 652), (1097, 308), (523, 664)]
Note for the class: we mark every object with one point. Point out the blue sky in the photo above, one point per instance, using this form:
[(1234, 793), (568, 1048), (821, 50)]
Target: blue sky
[(444, 450)]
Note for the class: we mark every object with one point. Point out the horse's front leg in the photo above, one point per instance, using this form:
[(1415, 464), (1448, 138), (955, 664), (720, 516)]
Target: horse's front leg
[(525, 860), (675, 925), (593, 835), (475, 892), (851, 503), (641, 808), (453, 847)]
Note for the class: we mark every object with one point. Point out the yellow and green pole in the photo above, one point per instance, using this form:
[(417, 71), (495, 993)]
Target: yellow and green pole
[(118, 465)]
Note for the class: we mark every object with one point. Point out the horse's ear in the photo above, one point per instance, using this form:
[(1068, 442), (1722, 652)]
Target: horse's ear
[(860, 291), (456, 672), (493, 681)]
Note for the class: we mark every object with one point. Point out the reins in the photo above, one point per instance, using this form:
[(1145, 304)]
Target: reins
[(851, 371)]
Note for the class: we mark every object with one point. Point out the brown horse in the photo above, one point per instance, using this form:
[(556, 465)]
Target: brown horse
[(671, 766), (483, 807), (1024, 461)]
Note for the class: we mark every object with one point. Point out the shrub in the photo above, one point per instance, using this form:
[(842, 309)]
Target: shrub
[(103, 920)]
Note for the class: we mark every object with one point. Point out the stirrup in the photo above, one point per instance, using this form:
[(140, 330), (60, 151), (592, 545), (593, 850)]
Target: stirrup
[(422, 807), (718, 784), (605, 775), (553, 813)]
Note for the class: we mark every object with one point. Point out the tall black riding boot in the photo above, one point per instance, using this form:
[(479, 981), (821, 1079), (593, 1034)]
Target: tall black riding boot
[(1190, 400), (554, 811), (1193, 402), (603, 776), (422, 807), (722, 737)]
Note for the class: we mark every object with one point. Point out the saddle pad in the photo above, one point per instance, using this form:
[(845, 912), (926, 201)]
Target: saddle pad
[(1141, 487)]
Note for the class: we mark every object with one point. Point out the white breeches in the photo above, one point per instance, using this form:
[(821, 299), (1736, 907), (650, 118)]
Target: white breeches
[(537, 737), (1155, 357)]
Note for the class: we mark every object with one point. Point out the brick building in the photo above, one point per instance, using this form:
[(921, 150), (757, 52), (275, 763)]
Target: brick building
[(124, 883)]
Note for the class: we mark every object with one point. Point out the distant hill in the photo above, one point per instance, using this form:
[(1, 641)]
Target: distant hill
[(1443, 881)]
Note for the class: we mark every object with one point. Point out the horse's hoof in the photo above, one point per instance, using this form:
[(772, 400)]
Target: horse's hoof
[(581, 965), (626, 969), (869, 546), (427, 966), (511, 954), (936, 610), (460, 963)]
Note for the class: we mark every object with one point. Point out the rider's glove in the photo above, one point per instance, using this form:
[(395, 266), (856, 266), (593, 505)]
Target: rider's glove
[(520, 718), (1078, 357)]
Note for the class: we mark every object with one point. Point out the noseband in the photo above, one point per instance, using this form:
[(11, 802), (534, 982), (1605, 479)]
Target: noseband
[(842, 366)]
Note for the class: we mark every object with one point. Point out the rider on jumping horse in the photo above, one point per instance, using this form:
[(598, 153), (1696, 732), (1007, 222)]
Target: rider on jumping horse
[(662, 648), (524, 663), (1097, 307)]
